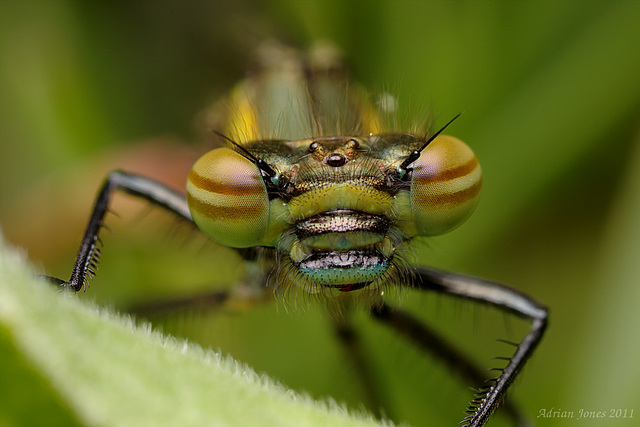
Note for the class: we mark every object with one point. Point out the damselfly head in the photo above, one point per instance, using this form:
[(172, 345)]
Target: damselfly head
[(310, 171)]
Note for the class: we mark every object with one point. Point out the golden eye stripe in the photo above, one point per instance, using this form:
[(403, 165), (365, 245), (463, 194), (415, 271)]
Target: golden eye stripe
[(447, 172), (445, 186), (453, 172), (228, 199), (214, 207), (453, 191), (228, 188)]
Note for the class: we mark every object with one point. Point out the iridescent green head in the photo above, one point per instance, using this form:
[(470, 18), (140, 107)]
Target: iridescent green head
[(338, 210)]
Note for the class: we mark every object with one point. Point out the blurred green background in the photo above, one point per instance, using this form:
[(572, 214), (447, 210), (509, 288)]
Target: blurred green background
[(551, 94)]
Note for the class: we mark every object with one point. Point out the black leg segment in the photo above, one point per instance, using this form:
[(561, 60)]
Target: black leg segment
[(504, 298), (428, 340), (153, 191)]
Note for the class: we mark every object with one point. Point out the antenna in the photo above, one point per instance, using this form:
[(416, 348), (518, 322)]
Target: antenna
[(415, 154), (261, 164)]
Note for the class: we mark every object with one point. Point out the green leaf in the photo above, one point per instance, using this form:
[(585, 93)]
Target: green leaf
[(66, 362)]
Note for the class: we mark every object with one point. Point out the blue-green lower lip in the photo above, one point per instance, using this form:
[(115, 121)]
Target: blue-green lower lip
[(346, 271)]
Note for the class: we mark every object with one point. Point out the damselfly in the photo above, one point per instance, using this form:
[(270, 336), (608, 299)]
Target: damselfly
[(317, 186)]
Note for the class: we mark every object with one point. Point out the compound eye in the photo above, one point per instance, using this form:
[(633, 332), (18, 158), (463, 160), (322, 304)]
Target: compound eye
[(228, 199), (445, 186)]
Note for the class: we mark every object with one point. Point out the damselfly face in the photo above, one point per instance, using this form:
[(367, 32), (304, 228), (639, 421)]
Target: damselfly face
[(337, 208)]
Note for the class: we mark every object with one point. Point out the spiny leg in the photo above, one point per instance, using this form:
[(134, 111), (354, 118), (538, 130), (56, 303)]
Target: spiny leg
[(505, 298), (428, 340), (153, 191)]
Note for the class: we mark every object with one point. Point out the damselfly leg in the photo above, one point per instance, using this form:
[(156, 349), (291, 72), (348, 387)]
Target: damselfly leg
[(490, 391), (89, 253)]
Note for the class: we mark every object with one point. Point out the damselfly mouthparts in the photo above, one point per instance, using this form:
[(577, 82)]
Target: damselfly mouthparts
[(316, 185)]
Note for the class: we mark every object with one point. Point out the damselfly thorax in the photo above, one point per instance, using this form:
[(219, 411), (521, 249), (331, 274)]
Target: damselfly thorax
[(335, 197)]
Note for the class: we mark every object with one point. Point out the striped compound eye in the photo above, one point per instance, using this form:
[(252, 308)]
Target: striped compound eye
[(445, 186), (228, 199)]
